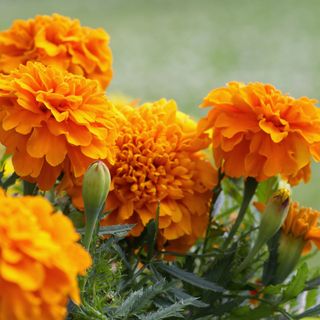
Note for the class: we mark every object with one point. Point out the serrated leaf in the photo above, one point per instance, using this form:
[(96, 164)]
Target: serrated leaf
[(181, 295), (175, 310), (190, 278), (139, 300), (297, 284), (116, 230)]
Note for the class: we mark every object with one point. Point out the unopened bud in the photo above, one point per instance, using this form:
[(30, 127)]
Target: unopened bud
[(274, 215), (289, 252), (95, 189), (96, 186), (272, 219)]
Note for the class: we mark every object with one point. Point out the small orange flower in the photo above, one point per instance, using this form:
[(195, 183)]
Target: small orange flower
[(303, 223), (60, 41), (53, 121), (159, 159), (40, 260), (260, 132)]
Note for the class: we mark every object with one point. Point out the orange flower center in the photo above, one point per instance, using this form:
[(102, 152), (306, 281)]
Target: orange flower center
[(146, 171)]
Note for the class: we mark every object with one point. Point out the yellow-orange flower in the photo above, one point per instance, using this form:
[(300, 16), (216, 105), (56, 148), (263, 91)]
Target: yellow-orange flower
[(303, 223), (60, 41), (260, 132), (40, 260), (53, 121), (159, 159)]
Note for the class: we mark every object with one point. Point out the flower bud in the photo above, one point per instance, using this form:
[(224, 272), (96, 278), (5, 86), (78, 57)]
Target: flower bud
[(289, 252), (274, 215), (272, 219), (96, 186), (299, 230)]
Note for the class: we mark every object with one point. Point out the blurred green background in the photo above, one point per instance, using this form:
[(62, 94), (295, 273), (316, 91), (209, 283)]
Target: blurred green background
[(181, 48)]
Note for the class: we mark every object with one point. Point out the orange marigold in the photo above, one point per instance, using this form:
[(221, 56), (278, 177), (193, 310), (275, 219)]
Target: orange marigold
[(303, 223), (159, 159), (60, 41), (260, 132), (40, 260), (53, 121)]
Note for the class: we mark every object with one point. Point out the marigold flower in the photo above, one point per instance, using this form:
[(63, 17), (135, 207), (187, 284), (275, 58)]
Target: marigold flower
[(53, 121), (40, 260), (303, 223), (259, 132), (60, 41), (159, 159), (298, 232)]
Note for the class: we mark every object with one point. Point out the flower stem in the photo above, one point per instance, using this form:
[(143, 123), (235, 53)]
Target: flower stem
[(249, 190), (215, 195), (92, 219), (29, 189)]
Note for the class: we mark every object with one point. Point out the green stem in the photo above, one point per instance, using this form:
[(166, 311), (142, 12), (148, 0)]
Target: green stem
[(90, 227), (249, 190), (215, 195), (10, 181), (29, 189)]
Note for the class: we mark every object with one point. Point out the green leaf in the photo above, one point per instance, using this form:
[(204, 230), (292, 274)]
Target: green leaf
[(175, 310), (190, 278), (221, 309), (311, 298), (297, 284), (119, 230), (246, 313), (152, 233), (181, 295), (273, 289), (139, 300)]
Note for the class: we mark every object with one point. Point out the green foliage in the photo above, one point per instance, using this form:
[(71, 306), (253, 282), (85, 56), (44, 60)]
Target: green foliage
[(130, 279)]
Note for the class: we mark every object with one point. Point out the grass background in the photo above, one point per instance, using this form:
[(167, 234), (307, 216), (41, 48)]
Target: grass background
[(181, 48)]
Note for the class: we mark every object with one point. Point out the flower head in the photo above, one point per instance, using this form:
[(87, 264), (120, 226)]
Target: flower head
[(60, 41), (299, 230), (260, 132), (40, 260), (159, 160), (53, 121), (303, 223)]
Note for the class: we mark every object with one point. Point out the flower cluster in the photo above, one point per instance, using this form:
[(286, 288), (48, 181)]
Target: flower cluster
[(55, 121), (159, 160), (39, 259), (259, 132), (60, 41), (52, 120)]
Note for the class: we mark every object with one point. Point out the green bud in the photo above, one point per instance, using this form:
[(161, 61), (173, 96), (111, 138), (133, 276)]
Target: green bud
[(95, 189), (272, 219), (274, 215), (289, 252), (96, 186)]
